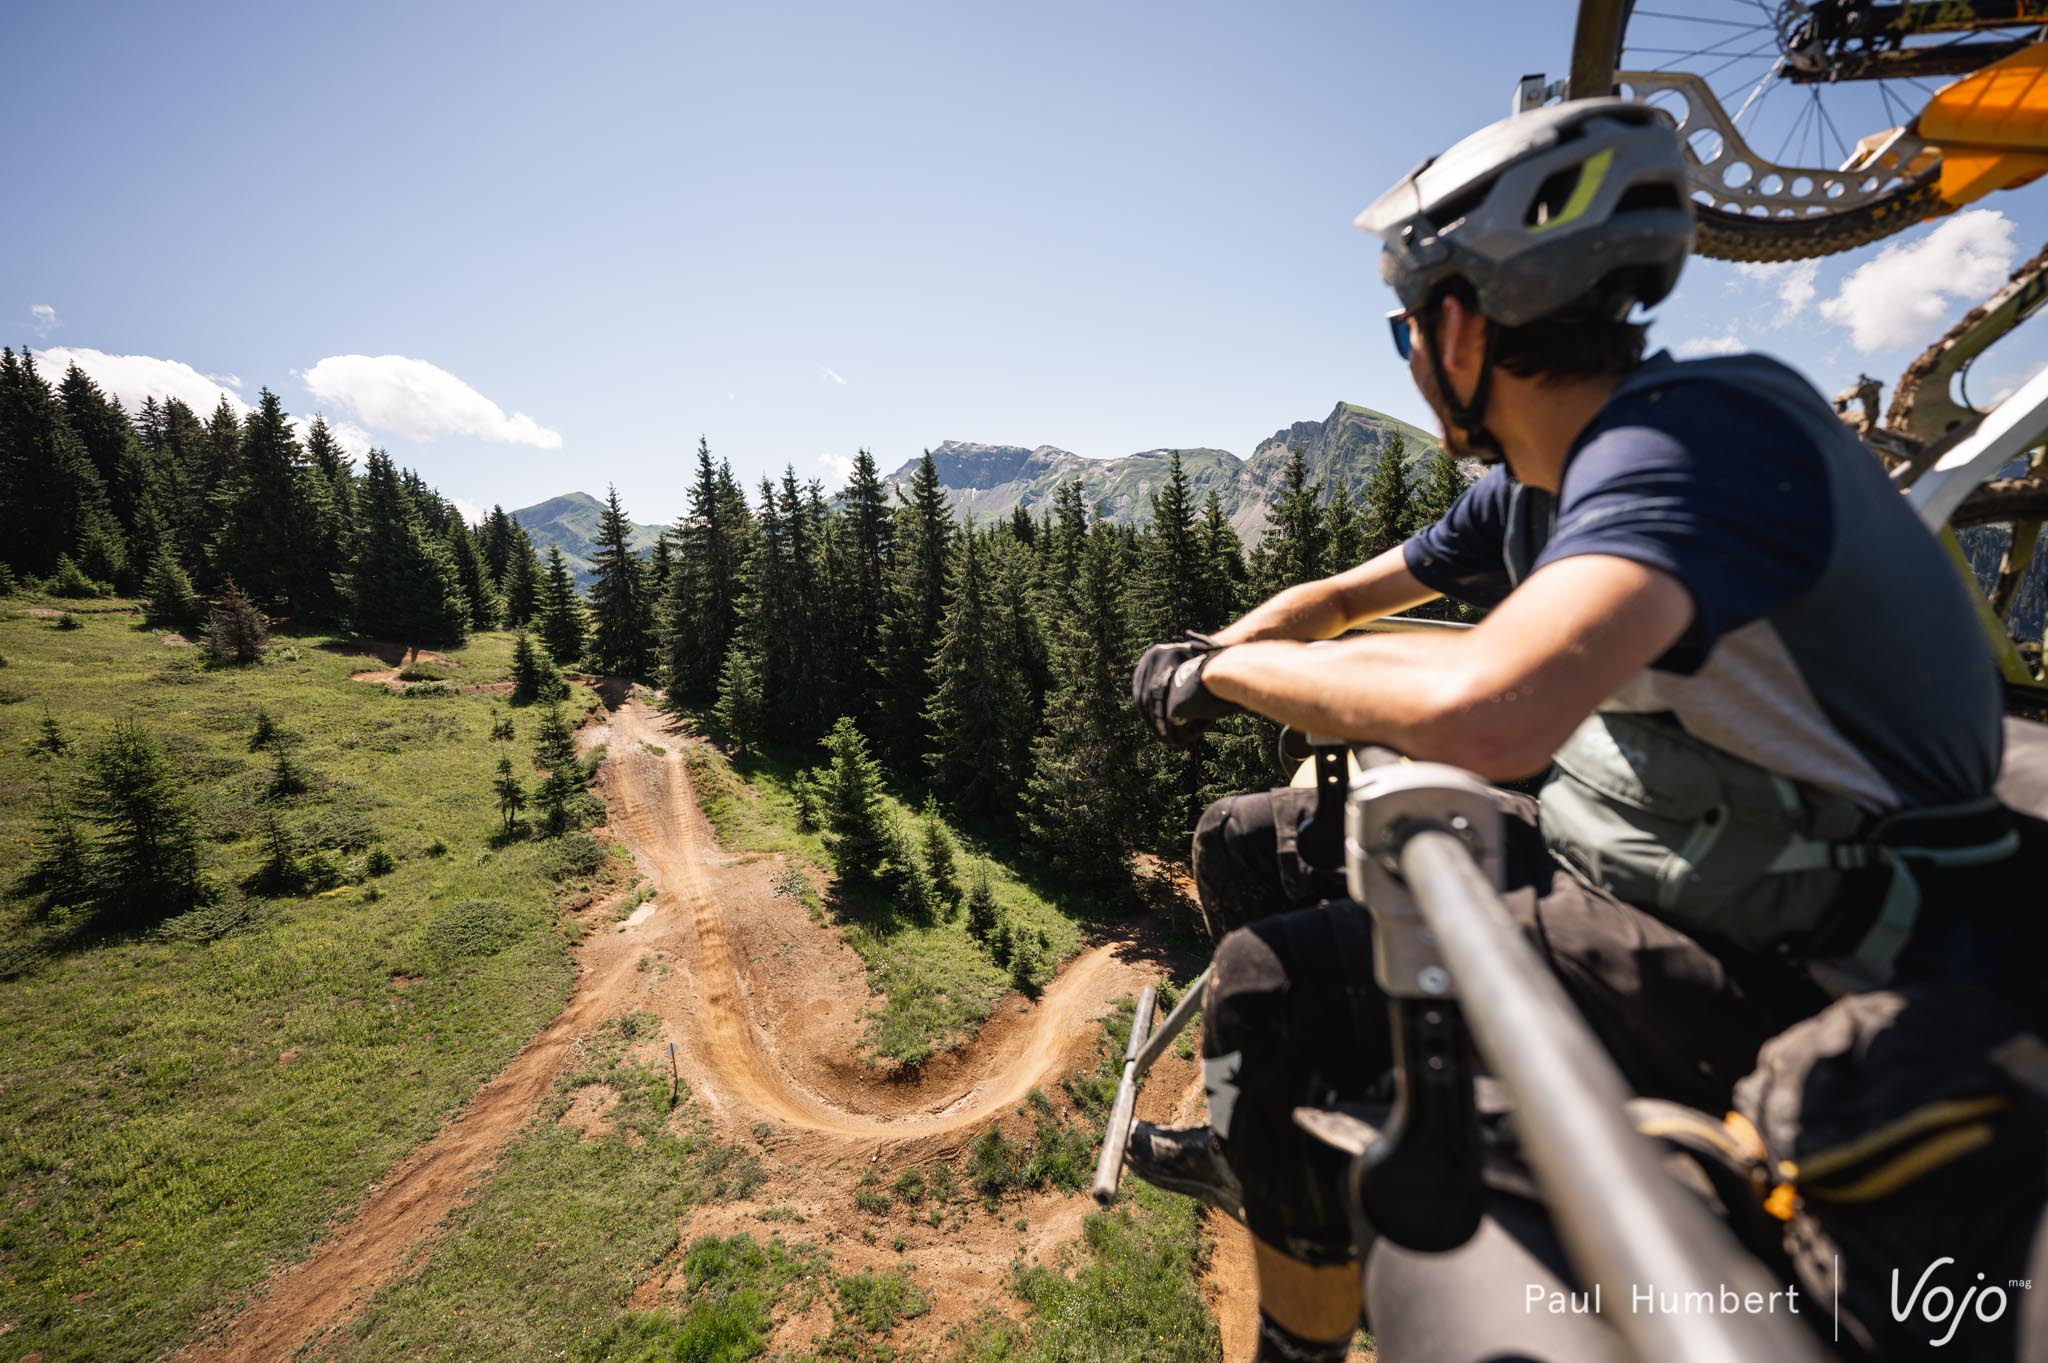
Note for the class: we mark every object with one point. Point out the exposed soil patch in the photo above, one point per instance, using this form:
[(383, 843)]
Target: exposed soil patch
[(173, 639), (590, 1111)]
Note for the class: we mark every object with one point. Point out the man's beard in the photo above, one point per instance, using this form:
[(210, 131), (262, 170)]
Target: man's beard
[(1456, 444)]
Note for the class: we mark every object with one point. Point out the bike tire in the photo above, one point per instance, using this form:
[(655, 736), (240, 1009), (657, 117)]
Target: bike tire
[(1596, 48)]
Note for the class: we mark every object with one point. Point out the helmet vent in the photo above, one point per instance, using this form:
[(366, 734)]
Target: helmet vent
[(1640, 198), (1555, 193)]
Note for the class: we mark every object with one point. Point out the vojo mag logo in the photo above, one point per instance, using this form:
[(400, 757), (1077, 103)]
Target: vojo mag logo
[(1941, 1309)]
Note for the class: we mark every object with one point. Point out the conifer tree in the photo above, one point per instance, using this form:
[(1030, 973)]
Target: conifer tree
[(1223, 574), (557, 613), (236, 630), (534, 677), (329, 491), (1388, 497), (916, 607), (520, 583), (660, 563), (1172, 587), (857, 828), (871, 532), (472, 576), (1079, 807), (618, 606), (983, 913), (281, 872), (52, 502), (1292, 549), (1441, 488), (702, 611), (1344, 535), (168, 594), (511, 794), (979, 717), (554, 755), (146, 866), (738, 710), (402, 585), (60, 874), (938, 857), (267, 536), (497, 532)]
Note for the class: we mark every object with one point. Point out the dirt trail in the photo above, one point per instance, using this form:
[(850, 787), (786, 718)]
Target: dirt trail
[(729, 1059), (655, 815)]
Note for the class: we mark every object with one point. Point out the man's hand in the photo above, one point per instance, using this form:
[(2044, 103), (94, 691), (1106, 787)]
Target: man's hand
[(1168, 691)]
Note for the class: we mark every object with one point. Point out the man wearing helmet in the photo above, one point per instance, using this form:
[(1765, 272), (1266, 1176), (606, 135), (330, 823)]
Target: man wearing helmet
[(1685, 565)]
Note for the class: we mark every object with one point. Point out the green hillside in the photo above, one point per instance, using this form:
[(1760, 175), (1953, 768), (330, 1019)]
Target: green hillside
[(569, 522)]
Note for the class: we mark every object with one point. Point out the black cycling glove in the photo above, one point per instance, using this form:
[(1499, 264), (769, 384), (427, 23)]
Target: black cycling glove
[(1168, 691)]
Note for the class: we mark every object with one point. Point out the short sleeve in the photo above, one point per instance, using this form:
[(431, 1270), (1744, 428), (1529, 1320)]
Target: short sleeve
[(1460, 555), (1710, 485)]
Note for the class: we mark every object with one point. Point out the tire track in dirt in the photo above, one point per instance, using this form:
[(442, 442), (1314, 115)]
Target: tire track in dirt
[(653, 811)]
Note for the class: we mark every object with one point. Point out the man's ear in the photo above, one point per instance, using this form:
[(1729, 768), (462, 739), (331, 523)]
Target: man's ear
[(1462, 335)]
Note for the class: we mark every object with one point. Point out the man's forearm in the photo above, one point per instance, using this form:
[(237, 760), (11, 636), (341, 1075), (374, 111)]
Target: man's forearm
[(1325, 608)]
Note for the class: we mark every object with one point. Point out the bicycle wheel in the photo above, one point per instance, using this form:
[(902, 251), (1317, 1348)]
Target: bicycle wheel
[(1762, 94)]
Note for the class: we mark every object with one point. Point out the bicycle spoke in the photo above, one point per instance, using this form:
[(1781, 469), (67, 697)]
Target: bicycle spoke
[(1840, 143), (1697, 19)]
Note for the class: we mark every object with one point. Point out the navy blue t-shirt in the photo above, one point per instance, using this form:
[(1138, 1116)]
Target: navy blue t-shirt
[(1833, 640), (1736, 509)]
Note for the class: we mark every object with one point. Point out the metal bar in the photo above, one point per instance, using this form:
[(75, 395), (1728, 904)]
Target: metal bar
[(1175, 1022), (1625, 1224), (1109, 1166)]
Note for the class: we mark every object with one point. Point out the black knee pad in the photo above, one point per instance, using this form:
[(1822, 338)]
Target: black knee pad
[(1292, 1018)]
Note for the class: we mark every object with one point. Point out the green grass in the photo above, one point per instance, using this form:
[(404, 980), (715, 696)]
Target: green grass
[(541, 1264), (182, 1110), (938, 984)]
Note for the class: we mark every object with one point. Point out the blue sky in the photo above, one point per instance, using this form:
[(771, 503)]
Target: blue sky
[(533, 248)]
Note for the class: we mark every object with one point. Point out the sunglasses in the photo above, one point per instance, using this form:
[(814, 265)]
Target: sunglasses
[(1404, 336)]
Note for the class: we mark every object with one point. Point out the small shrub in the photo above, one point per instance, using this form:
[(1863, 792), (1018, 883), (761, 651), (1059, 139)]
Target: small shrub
[(880, 1301), (169, 601), (570, 856), (236, 631), (982, 910), (230, 913), (501, 729), (429, 690), (379, 862), (71, 581), (50, 741), (941, 1184), (287, 778), (437, 848), (994, 1164), (266, 731), (69, 620), (910, 1186)]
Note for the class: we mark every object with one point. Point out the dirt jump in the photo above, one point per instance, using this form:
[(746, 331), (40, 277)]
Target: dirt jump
[(741, 1048)]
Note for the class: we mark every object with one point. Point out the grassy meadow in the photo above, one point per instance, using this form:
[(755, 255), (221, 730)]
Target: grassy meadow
[(179, 1115)]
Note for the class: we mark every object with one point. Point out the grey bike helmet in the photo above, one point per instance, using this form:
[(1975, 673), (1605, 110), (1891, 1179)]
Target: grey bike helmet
[(1577, 206)]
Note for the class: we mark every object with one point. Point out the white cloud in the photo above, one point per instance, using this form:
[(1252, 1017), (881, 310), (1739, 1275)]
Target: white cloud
[(1792, 281), (231, 380), (469, 511), (838, 464), (834, 376), (355, 442), (1730, 344), (42, 318), (419, 401), (134, 378), (1901, 297)]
